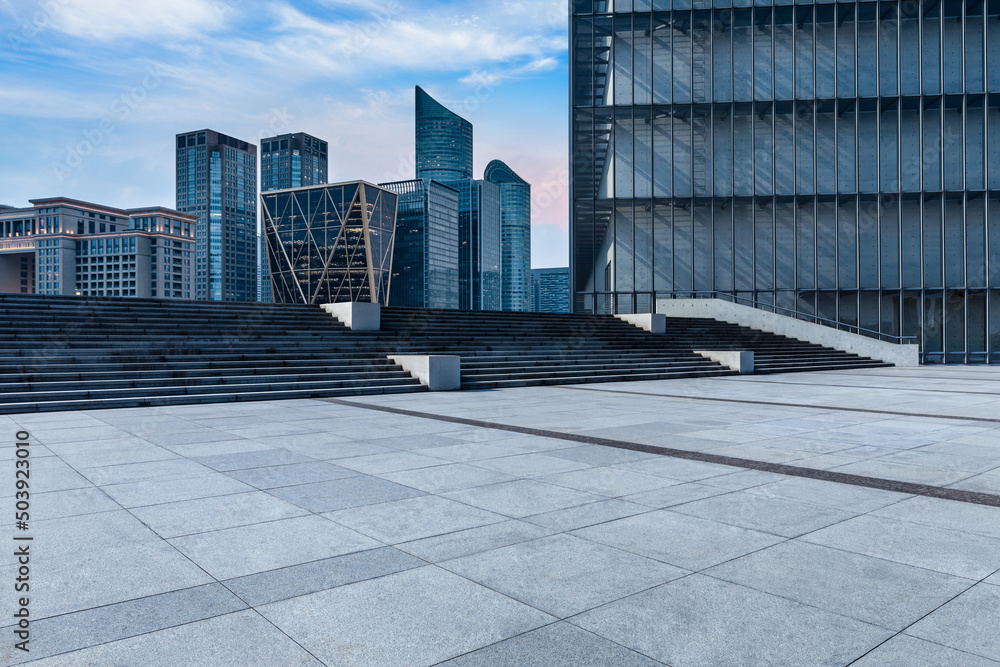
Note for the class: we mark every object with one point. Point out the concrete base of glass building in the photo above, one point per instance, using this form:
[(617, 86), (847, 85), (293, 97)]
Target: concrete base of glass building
[(838, 518)]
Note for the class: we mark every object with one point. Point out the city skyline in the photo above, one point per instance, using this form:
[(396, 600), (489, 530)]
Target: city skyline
[(332, 72)]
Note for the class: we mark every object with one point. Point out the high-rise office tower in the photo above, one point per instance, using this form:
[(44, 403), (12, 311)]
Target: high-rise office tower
[(515, 233), (292, 161), (550, 290), (841, 159), (265, 291), (479, 249), (425, 250), (288, 161), (217, 181), (444, 141), (444, 153)]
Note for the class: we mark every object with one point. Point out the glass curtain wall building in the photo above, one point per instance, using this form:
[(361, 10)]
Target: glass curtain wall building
[(444, 141), (330, 243), (550, 290), (444, 154), (292, 161), (217, 181), (479, 253), (288, 161), (425, 251), (515, 232), (836, 159)]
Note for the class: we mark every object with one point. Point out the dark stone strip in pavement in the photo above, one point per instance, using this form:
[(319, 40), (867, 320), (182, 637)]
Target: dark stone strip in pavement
[(293, 581), (829, 408), (99, 625), (855, 386), (750, 464)]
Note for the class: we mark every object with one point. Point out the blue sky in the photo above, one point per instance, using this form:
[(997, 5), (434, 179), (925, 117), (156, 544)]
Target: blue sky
[(92, 92)]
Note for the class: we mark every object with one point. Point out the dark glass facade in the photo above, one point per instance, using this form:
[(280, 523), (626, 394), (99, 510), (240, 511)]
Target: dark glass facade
[(425, 252), (550, 290), (479, 253), (444, 141), (292, 161), (515, 236), (289, 161), (217, 182), (444, 154), (839, 159), (330, 243)]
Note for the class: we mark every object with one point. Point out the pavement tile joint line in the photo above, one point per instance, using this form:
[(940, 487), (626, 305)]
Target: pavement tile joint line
[(911, 488)]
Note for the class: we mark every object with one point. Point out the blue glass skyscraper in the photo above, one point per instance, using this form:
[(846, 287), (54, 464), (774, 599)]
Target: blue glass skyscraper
[(515, 232), (550, 290), (425, 250), (292, 161), (838, 159), (479, 252), (444, 141), (217, 181), (444, 154)]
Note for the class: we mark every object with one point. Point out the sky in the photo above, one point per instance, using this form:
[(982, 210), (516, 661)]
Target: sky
[(93, 92)]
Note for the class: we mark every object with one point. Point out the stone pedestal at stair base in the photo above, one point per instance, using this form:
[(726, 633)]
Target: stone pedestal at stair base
[(437, 372), (736, 360), (783, 325), (651, 322), (357, 315)]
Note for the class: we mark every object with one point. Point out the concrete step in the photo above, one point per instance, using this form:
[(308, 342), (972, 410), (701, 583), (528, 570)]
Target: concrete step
[(185, 390), (154, 399), (587, 379)]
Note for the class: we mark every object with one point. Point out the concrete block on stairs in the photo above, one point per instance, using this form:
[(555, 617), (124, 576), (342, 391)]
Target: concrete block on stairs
[(737, 360), (651, 322), (357, 315), (437, 372)]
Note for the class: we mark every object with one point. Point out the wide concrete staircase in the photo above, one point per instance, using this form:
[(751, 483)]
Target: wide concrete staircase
[(63, 353), (521, 349), (66, 353)]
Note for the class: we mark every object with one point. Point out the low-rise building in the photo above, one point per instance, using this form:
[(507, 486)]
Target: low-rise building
[(70, 247)]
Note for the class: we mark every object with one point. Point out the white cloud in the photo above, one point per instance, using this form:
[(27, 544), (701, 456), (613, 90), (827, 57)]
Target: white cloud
[(343, 71), (108, 20), (416, 38), (497, 76)]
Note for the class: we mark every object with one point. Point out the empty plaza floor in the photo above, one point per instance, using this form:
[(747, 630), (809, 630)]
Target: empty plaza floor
[(839, 518)]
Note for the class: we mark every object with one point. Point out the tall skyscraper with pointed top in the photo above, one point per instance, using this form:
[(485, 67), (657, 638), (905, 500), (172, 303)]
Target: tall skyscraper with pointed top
[(444, 141), (444, 154)]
